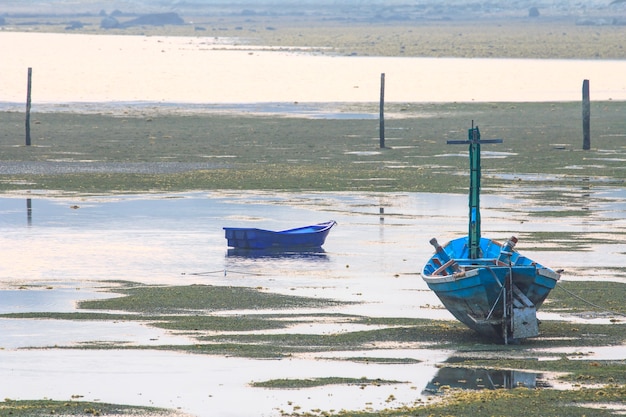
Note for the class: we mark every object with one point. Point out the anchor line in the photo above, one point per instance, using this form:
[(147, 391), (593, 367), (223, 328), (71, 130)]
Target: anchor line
[(590, 303), (203, 273), (493, 307), (223, 271), (256, 274), (495, 277)]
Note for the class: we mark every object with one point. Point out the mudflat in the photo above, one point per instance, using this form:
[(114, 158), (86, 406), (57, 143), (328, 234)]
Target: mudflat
[(125, 147), (144, 149)]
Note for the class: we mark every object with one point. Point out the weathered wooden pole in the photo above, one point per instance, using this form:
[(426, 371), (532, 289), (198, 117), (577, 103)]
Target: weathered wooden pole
[(382, 110), (29, 211), (586, 116), (28, 89)]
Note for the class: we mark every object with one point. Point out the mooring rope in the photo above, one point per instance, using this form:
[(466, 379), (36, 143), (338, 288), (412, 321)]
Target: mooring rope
[(222, 271), (204, 273), (607, 310)]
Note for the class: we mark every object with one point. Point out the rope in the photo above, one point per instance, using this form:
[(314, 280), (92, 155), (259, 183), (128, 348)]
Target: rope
[(222, 271), (589, 302), (205, 273)]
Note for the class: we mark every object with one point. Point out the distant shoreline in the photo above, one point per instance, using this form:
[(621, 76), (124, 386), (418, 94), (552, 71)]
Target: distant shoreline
[(594, 30)]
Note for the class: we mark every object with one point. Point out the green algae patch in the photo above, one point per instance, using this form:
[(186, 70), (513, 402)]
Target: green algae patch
[(568, 241), (238, 323), (422, 333), (34, 408), (383, 361), (289, 343), (564, 334), (318, 382), (231, 321), (217, 330), (205, 298), (78, 316), (583, 296), (522, 402), (274, 152), (518, 402)]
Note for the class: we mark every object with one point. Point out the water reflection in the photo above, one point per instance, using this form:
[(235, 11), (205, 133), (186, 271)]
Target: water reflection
[(78, 244), (286, 75), (481, 378), (309, 254)]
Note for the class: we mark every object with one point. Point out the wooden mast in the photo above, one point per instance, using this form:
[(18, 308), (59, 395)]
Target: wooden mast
[(474, 141)]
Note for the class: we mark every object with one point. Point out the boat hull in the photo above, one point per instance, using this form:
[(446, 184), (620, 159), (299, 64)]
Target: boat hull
[(312, 236), (474, 292)]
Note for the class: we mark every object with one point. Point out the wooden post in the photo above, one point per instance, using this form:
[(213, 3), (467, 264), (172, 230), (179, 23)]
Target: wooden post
[(382, 110), (586, 116), (29, 211), (28, 89)]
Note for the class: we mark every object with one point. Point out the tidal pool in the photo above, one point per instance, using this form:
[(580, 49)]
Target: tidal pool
[(65, 248)]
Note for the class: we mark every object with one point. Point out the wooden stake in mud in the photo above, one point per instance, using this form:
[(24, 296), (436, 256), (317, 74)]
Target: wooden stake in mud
[(29, 211), (382, 110), (586, 116), (28, 89)]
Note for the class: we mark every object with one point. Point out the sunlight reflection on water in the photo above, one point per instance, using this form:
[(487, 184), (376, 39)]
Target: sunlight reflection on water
[(178, 240), (185, 69)]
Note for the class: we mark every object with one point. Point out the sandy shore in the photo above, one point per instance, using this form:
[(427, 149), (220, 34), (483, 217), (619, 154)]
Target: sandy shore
[(97, 68)]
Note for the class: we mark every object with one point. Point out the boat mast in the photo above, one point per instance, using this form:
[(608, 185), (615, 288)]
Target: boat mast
[(474, 192), (474, 141)]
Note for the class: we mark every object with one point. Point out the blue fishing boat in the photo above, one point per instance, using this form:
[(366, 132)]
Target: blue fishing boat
[(312, 236), (488, 285)]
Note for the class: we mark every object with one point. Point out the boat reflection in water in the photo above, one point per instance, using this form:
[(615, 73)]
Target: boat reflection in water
[(313, 254), (480, 379)]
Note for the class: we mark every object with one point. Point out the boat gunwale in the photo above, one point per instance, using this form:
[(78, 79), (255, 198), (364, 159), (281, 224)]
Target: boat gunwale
[(255, 238), (315, 228)]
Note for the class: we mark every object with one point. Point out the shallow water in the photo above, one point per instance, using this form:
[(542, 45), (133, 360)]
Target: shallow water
[(71, 68), (481, 379), (201, 385), (66, 247)]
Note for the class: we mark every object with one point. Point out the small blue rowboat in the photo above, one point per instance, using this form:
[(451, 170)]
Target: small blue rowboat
[(312, 236), (485, 284)]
